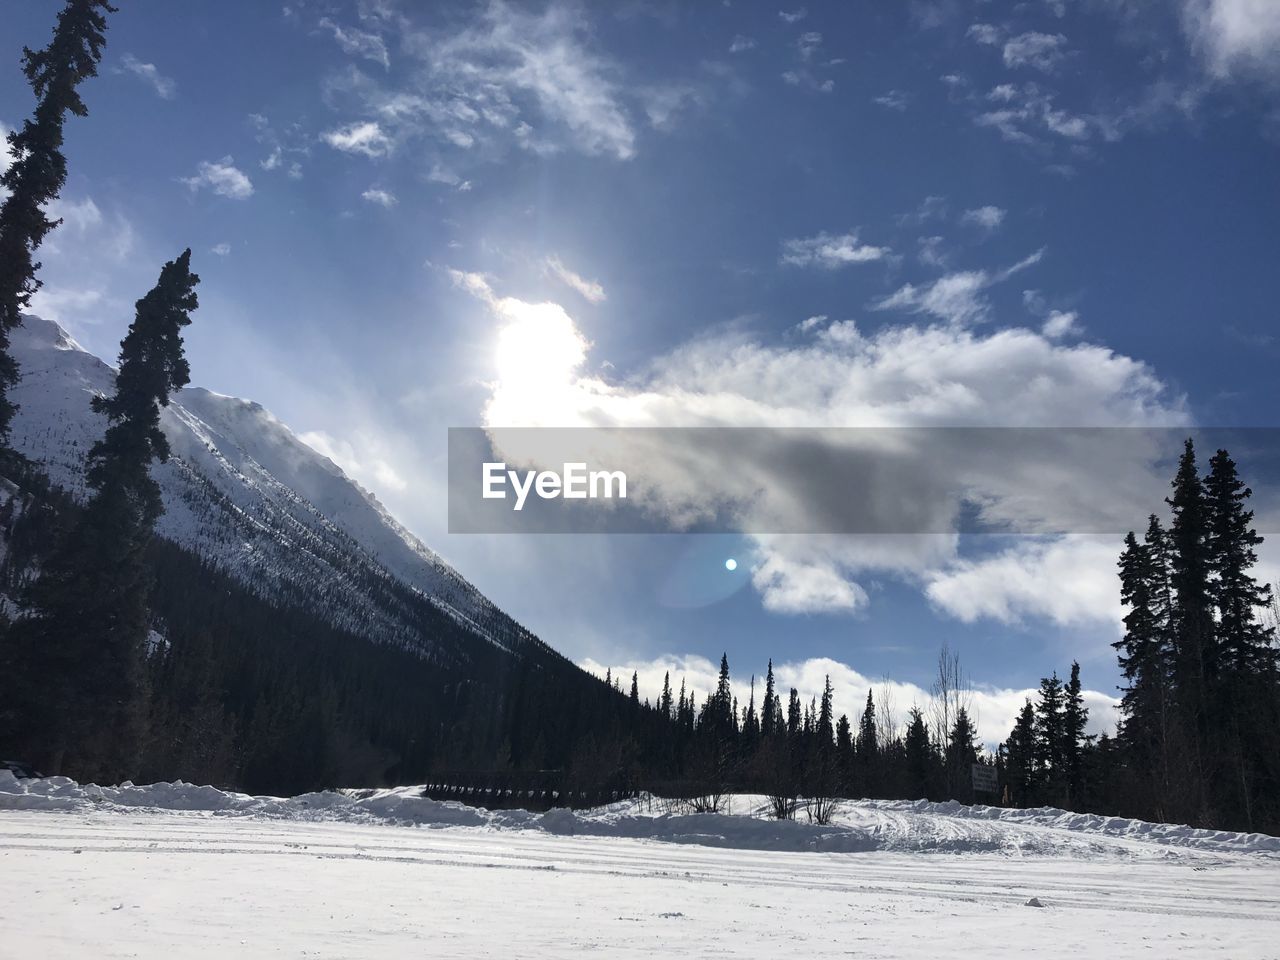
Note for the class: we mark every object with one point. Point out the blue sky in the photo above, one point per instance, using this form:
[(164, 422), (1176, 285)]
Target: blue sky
[(1057, 212)]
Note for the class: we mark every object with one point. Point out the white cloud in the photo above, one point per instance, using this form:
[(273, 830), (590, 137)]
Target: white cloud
[(65, 306), (365, 137), (360, 43), (164, 87), (591, 290), (222, 177), (931, 208), (893, 100), (367, 467), (839, 377), (286, 148), (1235, 35), (6, 156), (807, 44), (741, 44), (1043, 51), (1070, 581), (931, 253), (513, 76), (221, 249), (788, 584), (987, 217), (382, 198), (1061, 324), (995, 709), (1027, 112), (985, 33), (954, 297), (77, 215), (793, 16), (829, 251)]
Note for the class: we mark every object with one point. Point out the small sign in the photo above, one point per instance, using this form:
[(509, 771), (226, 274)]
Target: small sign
[(985, 779)]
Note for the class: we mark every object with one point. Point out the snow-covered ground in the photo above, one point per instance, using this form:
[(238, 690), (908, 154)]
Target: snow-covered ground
[(175, 871)]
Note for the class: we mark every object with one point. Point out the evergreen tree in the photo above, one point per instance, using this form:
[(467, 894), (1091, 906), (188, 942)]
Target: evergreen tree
[(1074, 717), (844, 752), (793, 715), (825, 728), (867, 749), (635, 689), (1244, 645), (1191, 618), (1146, 653), (1020, 757), (1050, 724), (962, 754), (771, 712), (664, 705), (39, 169), (1245, 708), (83, 645), (919, 756)]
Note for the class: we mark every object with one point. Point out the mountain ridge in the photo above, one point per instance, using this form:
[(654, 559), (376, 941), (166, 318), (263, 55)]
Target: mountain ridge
[(244, 492)]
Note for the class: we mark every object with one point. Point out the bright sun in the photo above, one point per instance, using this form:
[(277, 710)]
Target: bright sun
[(538, 349)]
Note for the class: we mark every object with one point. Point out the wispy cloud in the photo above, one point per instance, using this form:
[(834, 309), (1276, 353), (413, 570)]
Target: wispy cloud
[(222, 177), (221, 249), (286, 149), (954, 297), (988, 217), (1061, 323), (1043, 51), (590, 290), (741, 44), (830, 251), (380, 197), (1235, 36), (357, 42), (1023, 114), (164, 87), (364, 138), (893, 100), (793, 16)]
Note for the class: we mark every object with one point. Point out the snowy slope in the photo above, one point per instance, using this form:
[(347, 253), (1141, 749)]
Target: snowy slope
[(245, 493), (172, 870)]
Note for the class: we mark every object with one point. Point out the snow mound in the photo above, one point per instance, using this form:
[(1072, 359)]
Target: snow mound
[(859, 826)]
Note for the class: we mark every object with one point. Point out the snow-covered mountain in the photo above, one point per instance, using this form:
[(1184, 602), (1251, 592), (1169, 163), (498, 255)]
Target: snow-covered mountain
[(243, 492)]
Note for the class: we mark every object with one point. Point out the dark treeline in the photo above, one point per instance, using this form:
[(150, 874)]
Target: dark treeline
[(259, 693)]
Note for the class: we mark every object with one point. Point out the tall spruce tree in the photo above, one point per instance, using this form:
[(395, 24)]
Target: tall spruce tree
[(39, 169), (771, 712), (1074, 717), (82, 648), (962, 754), (919, 757), (1244, 644), (1021, 774), (1191, 617), (1245, 708), (867, 750), (1146, 655), (1049, 730)]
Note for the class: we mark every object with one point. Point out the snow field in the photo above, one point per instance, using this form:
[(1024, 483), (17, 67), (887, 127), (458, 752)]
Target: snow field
[(173, 870)]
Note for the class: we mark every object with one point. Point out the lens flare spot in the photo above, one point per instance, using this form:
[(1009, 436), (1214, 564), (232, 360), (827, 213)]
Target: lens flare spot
[(731, 564)]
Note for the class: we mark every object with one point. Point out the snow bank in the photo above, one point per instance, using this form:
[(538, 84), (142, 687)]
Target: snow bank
[(1094, 824), (865, 825)]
